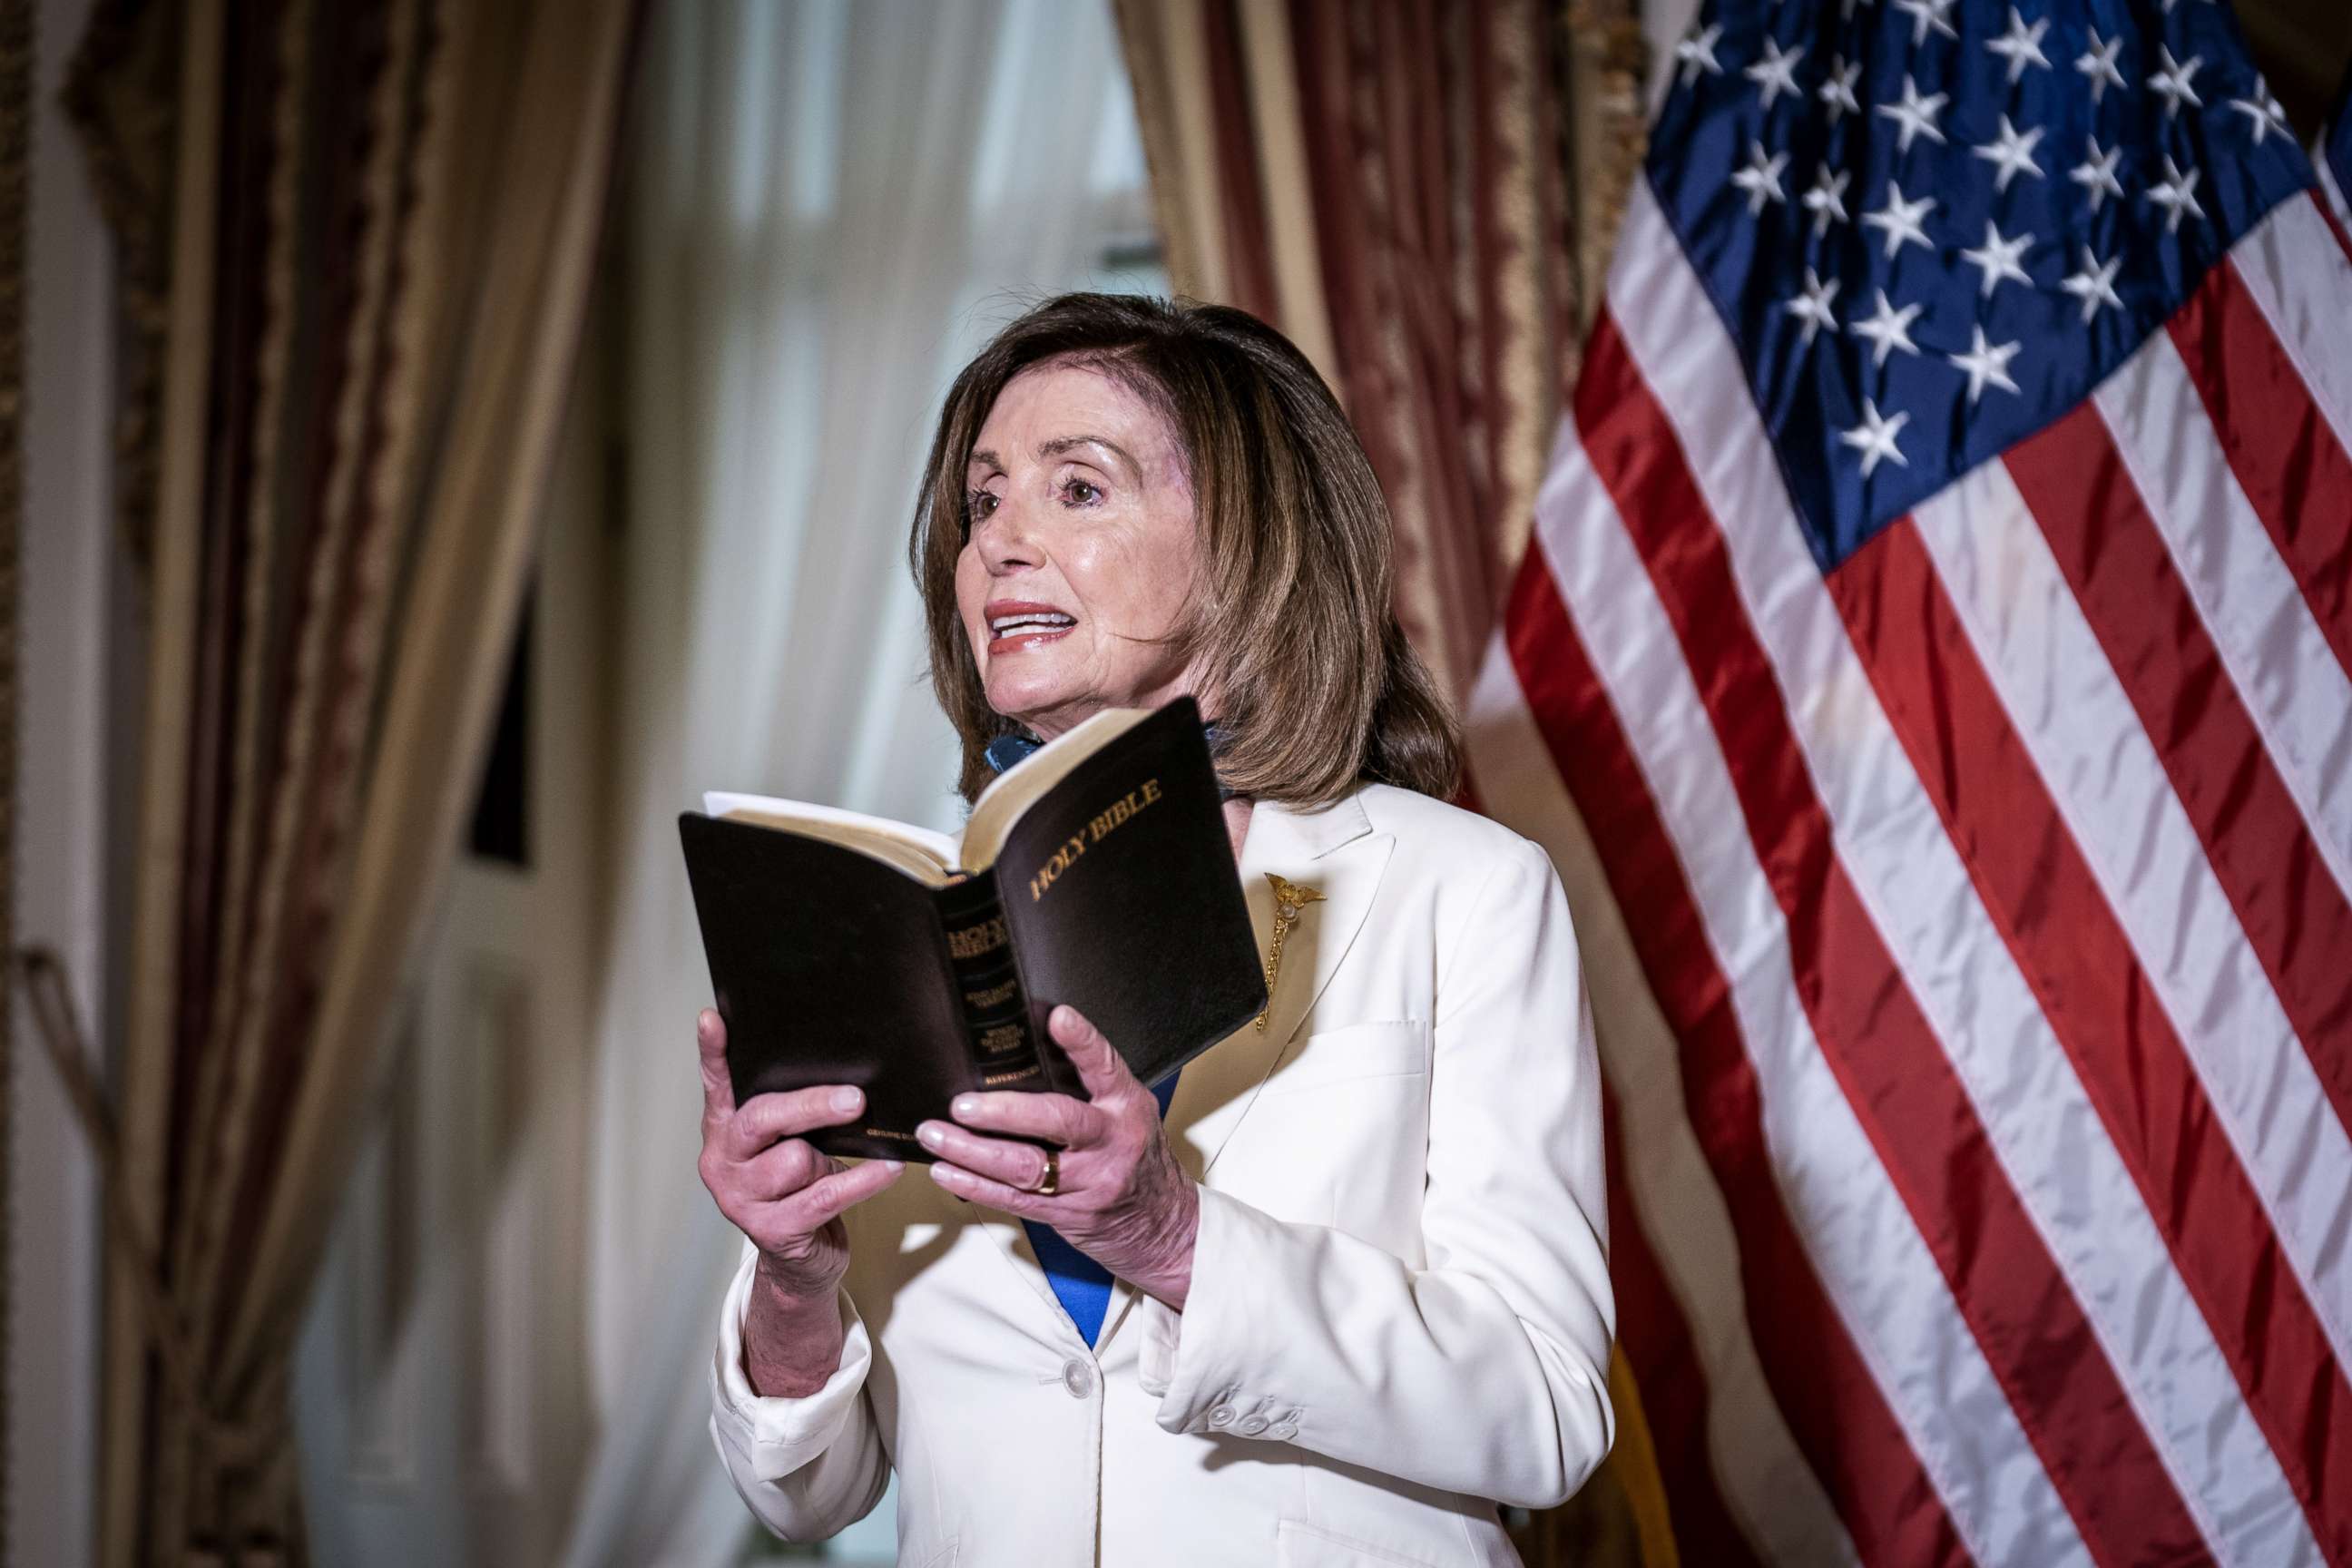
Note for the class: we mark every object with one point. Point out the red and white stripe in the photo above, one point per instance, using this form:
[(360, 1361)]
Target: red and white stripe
[(1970, 938)]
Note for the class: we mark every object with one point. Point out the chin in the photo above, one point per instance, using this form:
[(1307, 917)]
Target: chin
[(1023, 699)]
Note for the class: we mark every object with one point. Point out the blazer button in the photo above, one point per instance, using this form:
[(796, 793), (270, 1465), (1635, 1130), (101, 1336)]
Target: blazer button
[(1077, 1377), (1250, 1426), (1283, 1430), (1223, 1416)]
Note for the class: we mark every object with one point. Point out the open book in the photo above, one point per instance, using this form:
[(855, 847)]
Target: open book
[(847, 949)]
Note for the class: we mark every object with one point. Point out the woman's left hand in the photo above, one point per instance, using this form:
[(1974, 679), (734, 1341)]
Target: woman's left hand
[(1121, 1196)]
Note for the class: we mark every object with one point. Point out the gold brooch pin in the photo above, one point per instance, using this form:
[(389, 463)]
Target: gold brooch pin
[(1289, 900)]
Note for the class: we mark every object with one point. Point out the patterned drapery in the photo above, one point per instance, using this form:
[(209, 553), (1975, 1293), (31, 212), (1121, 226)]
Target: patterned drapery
[(1421, 193), (383, 217)]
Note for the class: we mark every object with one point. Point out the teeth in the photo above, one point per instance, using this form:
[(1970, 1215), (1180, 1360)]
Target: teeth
[(1007, 623)]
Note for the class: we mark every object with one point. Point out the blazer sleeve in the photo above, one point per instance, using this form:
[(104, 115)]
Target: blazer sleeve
[(810, 1466), (1485, 1373)]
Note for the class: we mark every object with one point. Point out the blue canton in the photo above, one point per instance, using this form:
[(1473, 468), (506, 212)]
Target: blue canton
[(1932, 226)]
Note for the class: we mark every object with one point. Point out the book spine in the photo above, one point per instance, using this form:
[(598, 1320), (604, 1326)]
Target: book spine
[(995, 1008)]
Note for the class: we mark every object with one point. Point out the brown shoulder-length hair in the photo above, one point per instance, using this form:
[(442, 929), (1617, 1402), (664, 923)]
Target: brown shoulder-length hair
[(1291, 629)]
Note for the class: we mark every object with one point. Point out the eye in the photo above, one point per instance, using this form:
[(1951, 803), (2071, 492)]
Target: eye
[(1078, 493), (978, 506)]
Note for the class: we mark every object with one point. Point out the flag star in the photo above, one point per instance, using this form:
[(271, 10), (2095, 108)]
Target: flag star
[(1826, 200), (1875, 438), (1985, 363), (2094, 285), (1776, 73), (2021, 45), (2010, 151), (1811, 305), (2096, 174), (2262, 112), (2171, 83), (2098, 63), (1927, 14), (1902, 220), (1762, 178), (1697, 54), (1887, 329), (1997, 258), (1915, 115), (1837, 89), (2177, 194)]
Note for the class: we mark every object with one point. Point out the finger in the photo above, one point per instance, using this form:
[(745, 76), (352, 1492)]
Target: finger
[(973, 1187), (784, 1170), (1100, 1067), (717, 1083), (1015, 1164), (766, 1117), (1056, 1117), (818, 1204)]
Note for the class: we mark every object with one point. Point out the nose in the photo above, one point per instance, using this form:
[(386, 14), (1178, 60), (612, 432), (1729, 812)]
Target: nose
[(1005, 539)]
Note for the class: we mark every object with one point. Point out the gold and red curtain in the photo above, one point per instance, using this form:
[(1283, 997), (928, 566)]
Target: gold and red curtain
[(357, 242), (1420, 193)]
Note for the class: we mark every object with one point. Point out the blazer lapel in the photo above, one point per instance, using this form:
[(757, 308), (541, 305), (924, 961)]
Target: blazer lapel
[(1014, 1240), (1335, 852)]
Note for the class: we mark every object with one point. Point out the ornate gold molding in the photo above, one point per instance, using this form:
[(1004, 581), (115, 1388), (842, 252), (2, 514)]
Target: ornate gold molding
[(1608, 63), (121, 96)]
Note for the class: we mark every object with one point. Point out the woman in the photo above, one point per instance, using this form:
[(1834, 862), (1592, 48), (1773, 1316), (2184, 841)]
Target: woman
[(1346, 1290)]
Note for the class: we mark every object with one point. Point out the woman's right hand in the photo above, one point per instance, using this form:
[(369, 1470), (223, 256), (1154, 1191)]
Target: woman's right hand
[(772, 1184)]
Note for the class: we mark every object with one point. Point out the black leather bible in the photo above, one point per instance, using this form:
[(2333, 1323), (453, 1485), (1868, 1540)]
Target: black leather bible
[(845, 948)]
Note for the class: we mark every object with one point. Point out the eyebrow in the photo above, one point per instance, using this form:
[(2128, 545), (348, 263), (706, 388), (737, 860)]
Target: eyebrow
[(1056, 446)]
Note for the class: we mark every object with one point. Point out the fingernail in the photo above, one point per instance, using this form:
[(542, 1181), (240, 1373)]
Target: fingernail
[(932, 1137), (847, 1099), (965, 1104), (894, 1166)]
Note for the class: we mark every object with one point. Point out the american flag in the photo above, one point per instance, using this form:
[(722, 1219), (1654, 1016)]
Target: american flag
[(2336, 155), (1930, 675)]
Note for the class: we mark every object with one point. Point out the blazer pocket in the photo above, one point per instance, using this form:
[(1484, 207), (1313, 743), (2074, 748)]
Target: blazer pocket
[(1398, 1049), (1297, 1544), (943, 1556)]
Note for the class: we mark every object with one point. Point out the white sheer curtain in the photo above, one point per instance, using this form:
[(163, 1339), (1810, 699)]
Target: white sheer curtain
[(831, 204)]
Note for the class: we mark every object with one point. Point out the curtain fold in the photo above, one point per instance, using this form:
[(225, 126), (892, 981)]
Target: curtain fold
[(384, 217), (830, 207), (1422, 194)]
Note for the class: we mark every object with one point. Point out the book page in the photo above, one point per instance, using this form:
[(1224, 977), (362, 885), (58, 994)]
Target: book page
[(1001, 803), (928, 857)]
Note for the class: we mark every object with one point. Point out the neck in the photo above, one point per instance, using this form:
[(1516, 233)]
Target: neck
[(1237, 821)]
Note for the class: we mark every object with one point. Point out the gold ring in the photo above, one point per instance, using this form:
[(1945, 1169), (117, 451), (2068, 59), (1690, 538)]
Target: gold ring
[(1050, 1183)]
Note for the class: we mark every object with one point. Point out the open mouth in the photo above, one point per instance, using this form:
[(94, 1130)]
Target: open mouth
[(1021, 626)]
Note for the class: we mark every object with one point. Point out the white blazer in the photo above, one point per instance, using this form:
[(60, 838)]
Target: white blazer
[(1399, 1312)]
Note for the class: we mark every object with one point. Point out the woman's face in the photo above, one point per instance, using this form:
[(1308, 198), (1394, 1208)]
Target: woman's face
[(1080, 549)]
